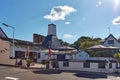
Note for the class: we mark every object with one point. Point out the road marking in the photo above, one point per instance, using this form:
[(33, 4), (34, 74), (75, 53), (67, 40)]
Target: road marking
[(11, 78)]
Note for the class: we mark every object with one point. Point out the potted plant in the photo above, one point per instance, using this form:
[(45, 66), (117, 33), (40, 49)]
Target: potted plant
[(47, 62), (28, 61)]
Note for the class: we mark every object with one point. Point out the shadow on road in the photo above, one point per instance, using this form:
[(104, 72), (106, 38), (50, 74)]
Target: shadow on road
[(90, 75), (42, 71), (115, 74)]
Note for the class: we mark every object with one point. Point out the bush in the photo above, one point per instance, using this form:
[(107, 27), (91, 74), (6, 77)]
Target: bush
[(28, 60), (117, 56), (47, 61)]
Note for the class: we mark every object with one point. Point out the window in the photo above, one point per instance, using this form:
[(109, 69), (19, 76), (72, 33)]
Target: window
[(71, 57), (61, 57), (39, 55), (86, 65), (19, 54), (101, 65), (33, 55), (80, 55), (110, 65), (65, 64), (110, 41)]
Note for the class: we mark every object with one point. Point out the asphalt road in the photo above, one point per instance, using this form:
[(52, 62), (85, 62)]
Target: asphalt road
[(12, 73)]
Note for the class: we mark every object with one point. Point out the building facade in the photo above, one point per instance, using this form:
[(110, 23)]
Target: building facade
[(111, 41), (89, 65), (10, 54)]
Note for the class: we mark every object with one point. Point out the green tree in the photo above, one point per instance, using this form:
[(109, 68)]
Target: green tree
[(84, 42), (76, 45), (63, 43), (117, 56)]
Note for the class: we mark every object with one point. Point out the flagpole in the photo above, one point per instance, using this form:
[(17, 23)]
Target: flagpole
[(27, 51), (49, 51)]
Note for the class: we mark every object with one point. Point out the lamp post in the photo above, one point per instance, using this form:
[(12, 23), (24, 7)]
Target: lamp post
[(13, 36)]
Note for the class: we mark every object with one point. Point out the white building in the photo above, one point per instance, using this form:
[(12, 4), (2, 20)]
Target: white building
[(105, 65), (20, 47), (111, 41)]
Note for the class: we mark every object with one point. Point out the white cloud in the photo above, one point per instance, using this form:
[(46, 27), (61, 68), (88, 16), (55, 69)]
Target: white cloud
[(68, 36), (67, 22), (116, 21), (59, 13), (99, 4)]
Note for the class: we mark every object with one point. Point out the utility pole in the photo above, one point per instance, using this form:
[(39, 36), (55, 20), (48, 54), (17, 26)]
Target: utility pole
[(13, 37)]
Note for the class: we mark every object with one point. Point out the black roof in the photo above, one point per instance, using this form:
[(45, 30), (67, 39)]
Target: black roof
[(21, 42), (91, 61), (97, 61), (108, 37), (51, 24), (5, 36)]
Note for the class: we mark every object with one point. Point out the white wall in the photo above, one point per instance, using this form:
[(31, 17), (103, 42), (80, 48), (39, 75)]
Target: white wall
[(93, 67), (113, 69), (70, 56), (119, 70), (43, 56)]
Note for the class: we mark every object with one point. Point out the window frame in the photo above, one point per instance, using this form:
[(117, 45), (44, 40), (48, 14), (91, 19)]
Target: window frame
[(101, 65), (86, 65), (110, 41), (19, 54), (39, 55), (110, 65), (65, 63)]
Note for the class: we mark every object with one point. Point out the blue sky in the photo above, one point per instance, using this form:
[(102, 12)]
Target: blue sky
[(73, 18)]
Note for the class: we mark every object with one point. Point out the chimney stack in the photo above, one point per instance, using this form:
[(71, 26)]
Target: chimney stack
[(52, 29)]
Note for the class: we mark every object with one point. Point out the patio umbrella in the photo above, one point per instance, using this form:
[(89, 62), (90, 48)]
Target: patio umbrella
[(110, 49), (96, 47), (46, 51), (113, 48), (65, 48), (99, 47)]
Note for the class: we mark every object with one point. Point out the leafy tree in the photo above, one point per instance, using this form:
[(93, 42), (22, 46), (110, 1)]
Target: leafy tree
[(117, 56), (76, 45), (84, 42), (99, 53), (63, 43), (97, 39)]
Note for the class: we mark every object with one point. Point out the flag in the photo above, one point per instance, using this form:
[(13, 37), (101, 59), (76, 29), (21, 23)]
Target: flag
[(27, 51)]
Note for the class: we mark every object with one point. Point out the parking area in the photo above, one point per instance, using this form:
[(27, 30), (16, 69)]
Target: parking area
[(13, 73)]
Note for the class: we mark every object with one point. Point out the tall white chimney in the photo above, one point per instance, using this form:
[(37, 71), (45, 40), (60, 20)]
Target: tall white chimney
[(52, 29)]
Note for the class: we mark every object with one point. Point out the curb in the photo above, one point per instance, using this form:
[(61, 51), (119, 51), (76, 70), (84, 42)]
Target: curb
[(8, 65)]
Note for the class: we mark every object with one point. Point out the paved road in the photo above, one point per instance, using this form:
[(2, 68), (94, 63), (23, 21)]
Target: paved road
[(12, 73)]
